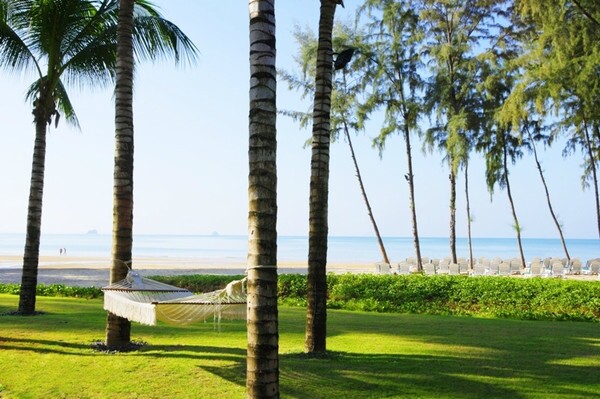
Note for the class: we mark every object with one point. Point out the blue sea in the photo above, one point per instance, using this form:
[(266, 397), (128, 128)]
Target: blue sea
[(223, 248)]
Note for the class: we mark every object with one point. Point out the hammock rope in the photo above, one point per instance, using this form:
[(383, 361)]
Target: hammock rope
[(146, 301)]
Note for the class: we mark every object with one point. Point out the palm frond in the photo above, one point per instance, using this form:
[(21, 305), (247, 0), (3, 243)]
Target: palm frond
[(156, 37), (64, 106), (15, 54)]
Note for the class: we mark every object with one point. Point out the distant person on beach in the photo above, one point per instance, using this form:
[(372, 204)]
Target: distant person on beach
[(60, 251), (65, 251)]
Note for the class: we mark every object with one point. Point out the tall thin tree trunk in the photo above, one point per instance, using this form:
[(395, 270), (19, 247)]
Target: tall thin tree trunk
[(262, 366), (411, 190), (452, 178), (31, 254), (316, 314), (550, 208), (590, 150), (118, 329), (468, 215), (512, 206), (364, 195)]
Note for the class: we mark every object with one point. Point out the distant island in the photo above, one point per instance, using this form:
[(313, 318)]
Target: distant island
[(92, 232)]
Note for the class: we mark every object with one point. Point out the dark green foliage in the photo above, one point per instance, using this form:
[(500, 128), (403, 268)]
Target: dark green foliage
[(55, 290), (198, 282), (516, 298), (530, 299)]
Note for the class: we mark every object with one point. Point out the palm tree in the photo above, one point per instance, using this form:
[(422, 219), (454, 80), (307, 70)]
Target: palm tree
[(316, 313), (118, 329), (55, 39), (72, 39), (143, 32), (262, 370)]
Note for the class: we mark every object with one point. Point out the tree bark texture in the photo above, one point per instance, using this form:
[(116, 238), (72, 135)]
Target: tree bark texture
[(452, 178), (262, 370), (316, 315), (363, 191), (411, 189), (468, 215), (590, 150), (550, 208), (512, 206), (27, 298), (118, 329)]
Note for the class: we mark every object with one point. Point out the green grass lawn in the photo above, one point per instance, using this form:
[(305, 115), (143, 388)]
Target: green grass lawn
[(372, 356)]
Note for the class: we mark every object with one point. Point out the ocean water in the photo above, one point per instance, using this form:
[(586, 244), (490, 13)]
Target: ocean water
[(295, 248)]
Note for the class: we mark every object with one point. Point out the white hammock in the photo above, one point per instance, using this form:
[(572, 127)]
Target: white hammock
[(144, 300)]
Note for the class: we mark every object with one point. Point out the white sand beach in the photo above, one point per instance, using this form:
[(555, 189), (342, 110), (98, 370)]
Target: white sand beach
[(94, 271)]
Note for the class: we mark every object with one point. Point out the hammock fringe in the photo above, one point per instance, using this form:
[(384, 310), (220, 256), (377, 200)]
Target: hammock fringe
[(146, 301)]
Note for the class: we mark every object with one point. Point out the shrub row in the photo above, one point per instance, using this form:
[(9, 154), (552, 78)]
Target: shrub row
[(532, 299), (193, 283), (55, 290)]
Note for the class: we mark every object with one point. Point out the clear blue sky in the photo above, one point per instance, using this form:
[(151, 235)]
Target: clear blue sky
[(191, 153)]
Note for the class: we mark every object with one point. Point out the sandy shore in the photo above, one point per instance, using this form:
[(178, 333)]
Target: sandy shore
[(94, 271)]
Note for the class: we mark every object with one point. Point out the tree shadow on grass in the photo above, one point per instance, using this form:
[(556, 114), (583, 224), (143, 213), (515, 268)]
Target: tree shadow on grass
[(353, 375), (447, 357), (43, 346)]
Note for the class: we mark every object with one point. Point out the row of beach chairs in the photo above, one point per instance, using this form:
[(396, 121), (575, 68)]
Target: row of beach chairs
[(538, 267)]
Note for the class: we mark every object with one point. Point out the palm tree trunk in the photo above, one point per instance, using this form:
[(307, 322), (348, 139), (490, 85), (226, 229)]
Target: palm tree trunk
[(539, 168), (118, 329), (590, 150), (316, 313), (411, 190), (262, 366), (364, 195), (468, 215), (452, 177), (31, 254), (512, 206)]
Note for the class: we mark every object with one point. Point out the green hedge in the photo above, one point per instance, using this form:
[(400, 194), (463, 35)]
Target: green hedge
[(532, 299), (55, 290)]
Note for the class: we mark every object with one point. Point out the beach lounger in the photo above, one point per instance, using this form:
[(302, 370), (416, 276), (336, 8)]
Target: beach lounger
[(478, 269), (504, 269), (429, 268), (382, 268), (443, 268), (453, 269), (558, 270), (536, 269), (595, 267), (515, 266), (463, 267), (493, 268), (403, 268), (576, 267)]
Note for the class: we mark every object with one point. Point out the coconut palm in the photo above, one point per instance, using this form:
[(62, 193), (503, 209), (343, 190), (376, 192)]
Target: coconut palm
[(66, 41), (316, 314), (59, 41), (262, 372), (141, 31), (118, 329)]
